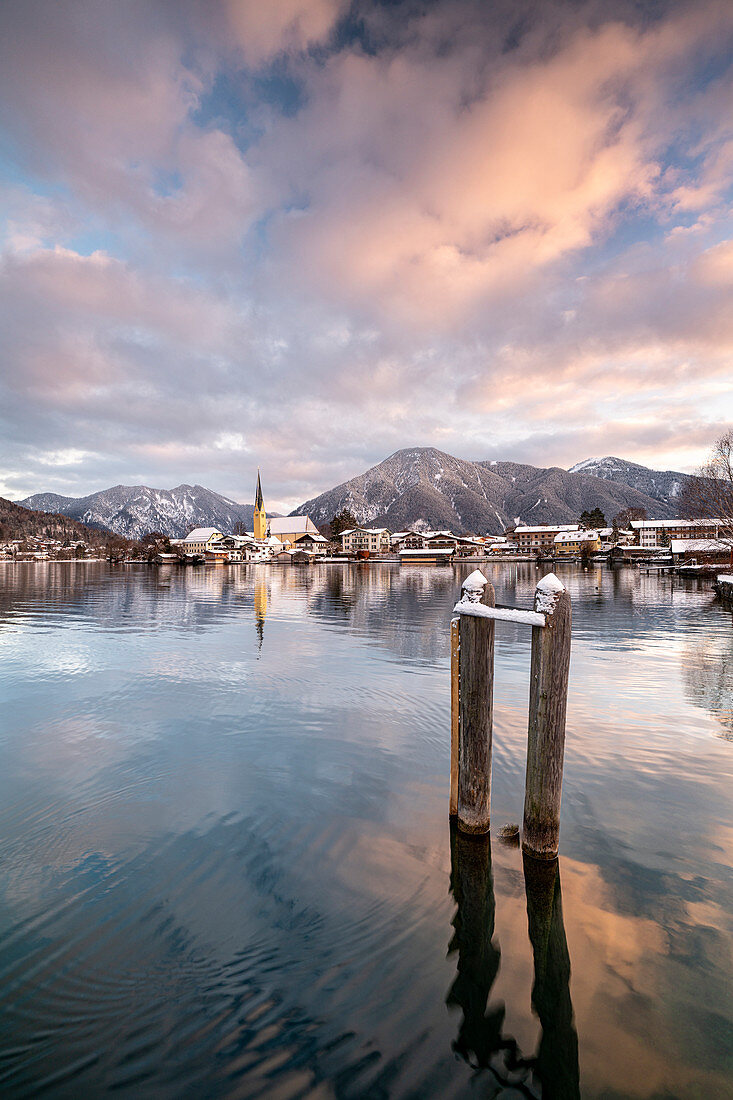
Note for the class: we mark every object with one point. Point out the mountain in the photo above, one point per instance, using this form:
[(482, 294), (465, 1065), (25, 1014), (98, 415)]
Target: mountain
[(17, 522), (424, 485), (663, 486), (133, 510)]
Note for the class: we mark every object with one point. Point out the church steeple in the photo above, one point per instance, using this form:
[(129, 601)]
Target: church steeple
[(260, 519)]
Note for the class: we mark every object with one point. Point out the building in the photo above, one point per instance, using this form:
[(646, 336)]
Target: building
[(289, 529), (376, 540), (315, 544), (702, 551), (238, 547), (426, 556), (501, 546), (199, 540), (539, 539), (575, 542), (658, 533), (260, 518), (407, 540)]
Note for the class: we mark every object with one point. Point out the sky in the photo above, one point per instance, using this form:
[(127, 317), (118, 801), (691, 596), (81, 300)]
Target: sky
[(302, 235)]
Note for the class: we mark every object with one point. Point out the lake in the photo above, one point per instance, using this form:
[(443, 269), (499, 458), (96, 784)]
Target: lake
[(227, 867)]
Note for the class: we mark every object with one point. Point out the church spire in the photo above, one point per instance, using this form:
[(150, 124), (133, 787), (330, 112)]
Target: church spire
[(259, 522)]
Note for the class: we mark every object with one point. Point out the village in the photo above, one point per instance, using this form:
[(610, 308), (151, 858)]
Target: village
[(695, 546)]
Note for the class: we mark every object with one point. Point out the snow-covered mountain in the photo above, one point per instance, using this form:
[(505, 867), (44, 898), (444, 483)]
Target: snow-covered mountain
[(663, 486), (425, 485), (133, 510)]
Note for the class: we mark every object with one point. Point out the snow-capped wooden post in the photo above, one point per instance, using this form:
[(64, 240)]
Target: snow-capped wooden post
[(548, 697), (475, 706), (455, 649)]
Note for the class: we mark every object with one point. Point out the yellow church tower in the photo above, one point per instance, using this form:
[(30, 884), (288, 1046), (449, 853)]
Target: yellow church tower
[(260, 519)]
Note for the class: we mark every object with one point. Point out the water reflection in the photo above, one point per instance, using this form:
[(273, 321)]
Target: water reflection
[(479, 1038), (556, 1062), (553, 1072), (260, 609), (183, 806), (707, 669)]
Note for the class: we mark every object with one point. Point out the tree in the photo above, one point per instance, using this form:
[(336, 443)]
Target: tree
[(117, 547), (622, 520), (343, 521), (594, 519), (240, 528), (708, 494)]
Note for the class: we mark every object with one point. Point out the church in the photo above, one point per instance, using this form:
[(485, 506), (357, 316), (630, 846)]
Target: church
[(287, 529)]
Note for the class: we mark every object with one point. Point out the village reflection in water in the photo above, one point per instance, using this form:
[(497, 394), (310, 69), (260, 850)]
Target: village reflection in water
[(235, 779)]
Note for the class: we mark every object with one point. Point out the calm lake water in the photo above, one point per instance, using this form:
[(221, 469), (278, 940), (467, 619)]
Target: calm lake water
[(227, 868)]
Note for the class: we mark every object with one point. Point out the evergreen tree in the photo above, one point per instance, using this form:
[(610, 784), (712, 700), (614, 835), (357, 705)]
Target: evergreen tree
[(342, 521), (592, 520)]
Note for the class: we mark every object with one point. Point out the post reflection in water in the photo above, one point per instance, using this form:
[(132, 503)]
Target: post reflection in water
[(553, 1073), (556, 1063), (479, 1038)]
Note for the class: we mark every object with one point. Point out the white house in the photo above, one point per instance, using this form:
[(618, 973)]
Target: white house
[(373, 539), (199, 540), (655, 533)]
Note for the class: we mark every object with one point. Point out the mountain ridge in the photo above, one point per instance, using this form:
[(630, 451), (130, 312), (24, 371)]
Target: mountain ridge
[(424, 484), (660, 485), (414, 485), (134, 510), (17, 521)]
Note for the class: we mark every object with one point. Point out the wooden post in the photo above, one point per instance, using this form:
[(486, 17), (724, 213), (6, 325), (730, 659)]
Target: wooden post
[(548, 697), (454, 689), (475, 708)]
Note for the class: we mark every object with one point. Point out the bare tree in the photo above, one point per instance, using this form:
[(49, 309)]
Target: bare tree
[(623, 519), (708, 494)]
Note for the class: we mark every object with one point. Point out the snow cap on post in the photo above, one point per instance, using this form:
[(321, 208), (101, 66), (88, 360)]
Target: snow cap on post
[(546, 594), (473, 587)]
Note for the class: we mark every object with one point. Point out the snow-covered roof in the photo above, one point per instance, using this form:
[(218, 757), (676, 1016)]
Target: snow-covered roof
[(682, 546), (286, 525), (542, 528), (643, 524), (365, 530), (312, 537), (576, 536), (202, 534)]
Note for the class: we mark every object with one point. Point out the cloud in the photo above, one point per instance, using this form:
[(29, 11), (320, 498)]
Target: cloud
[(289, 236), (263, 31)]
